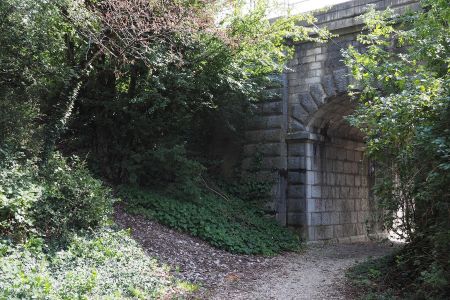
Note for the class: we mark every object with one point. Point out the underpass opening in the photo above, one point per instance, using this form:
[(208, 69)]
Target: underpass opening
[(333, 201)]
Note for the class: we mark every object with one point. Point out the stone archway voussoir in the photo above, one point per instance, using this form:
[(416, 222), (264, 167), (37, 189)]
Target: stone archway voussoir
[(341, 80)]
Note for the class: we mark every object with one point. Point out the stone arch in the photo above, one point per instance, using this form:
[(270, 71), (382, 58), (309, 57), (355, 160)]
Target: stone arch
[(308, 103), (328, 184), (329, 120), (296, 132)]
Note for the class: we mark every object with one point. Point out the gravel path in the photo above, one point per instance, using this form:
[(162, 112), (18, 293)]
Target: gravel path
[(315, 273)]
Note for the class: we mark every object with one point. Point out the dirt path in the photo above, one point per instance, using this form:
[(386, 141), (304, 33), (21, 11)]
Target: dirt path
[(317, 273), (191, 258)]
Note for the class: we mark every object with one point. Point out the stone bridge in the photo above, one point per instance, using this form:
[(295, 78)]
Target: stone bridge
[(316, 159)]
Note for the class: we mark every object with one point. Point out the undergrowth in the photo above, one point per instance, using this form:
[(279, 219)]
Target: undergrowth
[(367, 278), (233, 225), (389, 278), (105, 264), (55, 241)]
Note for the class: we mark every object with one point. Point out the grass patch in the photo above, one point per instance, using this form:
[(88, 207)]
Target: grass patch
[(189, 287), (106, 264), (233, 225)]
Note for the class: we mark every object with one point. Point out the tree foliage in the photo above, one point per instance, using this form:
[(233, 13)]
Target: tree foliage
[(176, 97), (136, 75), (140, 89), (404, 112)]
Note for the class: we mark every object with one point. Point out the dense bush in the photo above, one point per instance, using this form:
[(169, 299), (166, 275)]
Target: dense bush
[(71, 199), (389, 278), (367, 279), (163, 167), (251, 185), (106, 264), (19, 196), (51, 202), (404, 110), (233, 225), (17, 116), (24, 58), (251, 188), (153, 124)]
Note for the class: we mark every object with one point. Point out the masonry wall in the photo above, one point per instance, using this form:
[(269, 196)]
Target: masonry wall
[(337, 191), (321, 180), (265, 137)]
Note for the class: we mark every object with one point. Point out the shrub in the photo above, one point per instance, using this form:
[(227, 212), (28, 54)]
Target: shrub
[(17, 115), (167, 167), (391, 277), (60, 197), (234, 225), (72, 199), (252, 185), (105, 264), (18, 198), (403, 109), (367, 277), (253, 189)]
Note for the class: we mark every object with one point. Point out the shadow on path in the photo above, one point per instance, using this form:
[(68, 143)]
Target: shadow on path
[(316, 273)]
